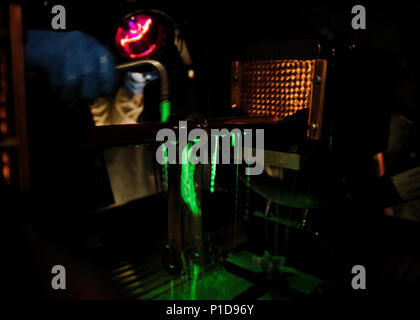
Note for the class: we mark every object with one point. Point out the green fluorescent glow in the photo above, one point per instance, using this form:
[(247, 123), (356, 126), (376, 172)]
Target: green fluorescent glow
[(188, 192), (237, 189), (172, 289), (165, 168), (235, 138), (196, 271), (215, 285), (165, 111), (237, 149), (213, 164)]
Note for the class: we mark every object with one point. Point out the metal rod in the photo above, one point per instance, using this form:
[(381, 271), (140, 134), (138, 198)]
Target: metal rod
[(120, 135), (164, 79)]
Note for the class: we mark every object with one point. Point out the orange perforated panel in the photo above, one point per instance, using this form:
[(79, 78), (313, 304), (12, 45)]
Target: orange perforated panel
[(276, 88), (279, 88)]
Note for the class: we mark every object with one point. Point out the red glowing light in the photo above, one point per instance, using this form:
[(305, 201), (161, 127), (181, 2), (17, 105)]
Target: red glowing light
[(140, 31), (143, 54), (138, 36)]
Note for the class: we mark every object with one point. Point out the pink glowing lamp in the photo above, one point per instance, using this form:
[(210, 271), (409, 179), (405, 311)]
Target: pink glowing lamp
[(138, 36)]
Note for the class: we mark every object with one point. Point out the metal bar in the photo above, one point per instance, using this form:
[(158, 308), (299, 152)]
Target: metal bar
[(315, 120), (120, 135), (235, 85), (164, 79)]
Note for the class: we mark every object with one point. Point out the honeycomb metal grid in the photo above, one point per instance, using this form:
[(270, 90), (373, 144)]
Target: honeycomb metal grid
[(276, 89)]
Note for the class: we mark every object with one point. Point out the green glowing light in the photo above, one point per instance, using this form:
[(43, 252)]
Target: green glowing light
[(236, 189), (165, 111), (213, 164), (172, 290), (215, 285), (165, 167), (188, 191), (196, 271)]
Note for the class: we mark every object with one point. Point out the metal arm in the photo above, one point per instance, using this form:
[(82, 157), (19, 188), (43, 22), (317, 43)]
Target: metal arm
[(164, 80)]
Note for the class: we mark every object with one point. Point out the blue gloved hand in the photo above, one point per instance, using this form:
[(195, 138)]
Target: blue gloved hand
[(76, 64), (135, 81)]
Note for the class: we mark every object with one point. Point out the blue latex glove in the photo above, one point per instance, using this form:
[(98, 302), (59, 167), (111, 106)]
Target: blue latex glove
[(135, 81), (77, 65)]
